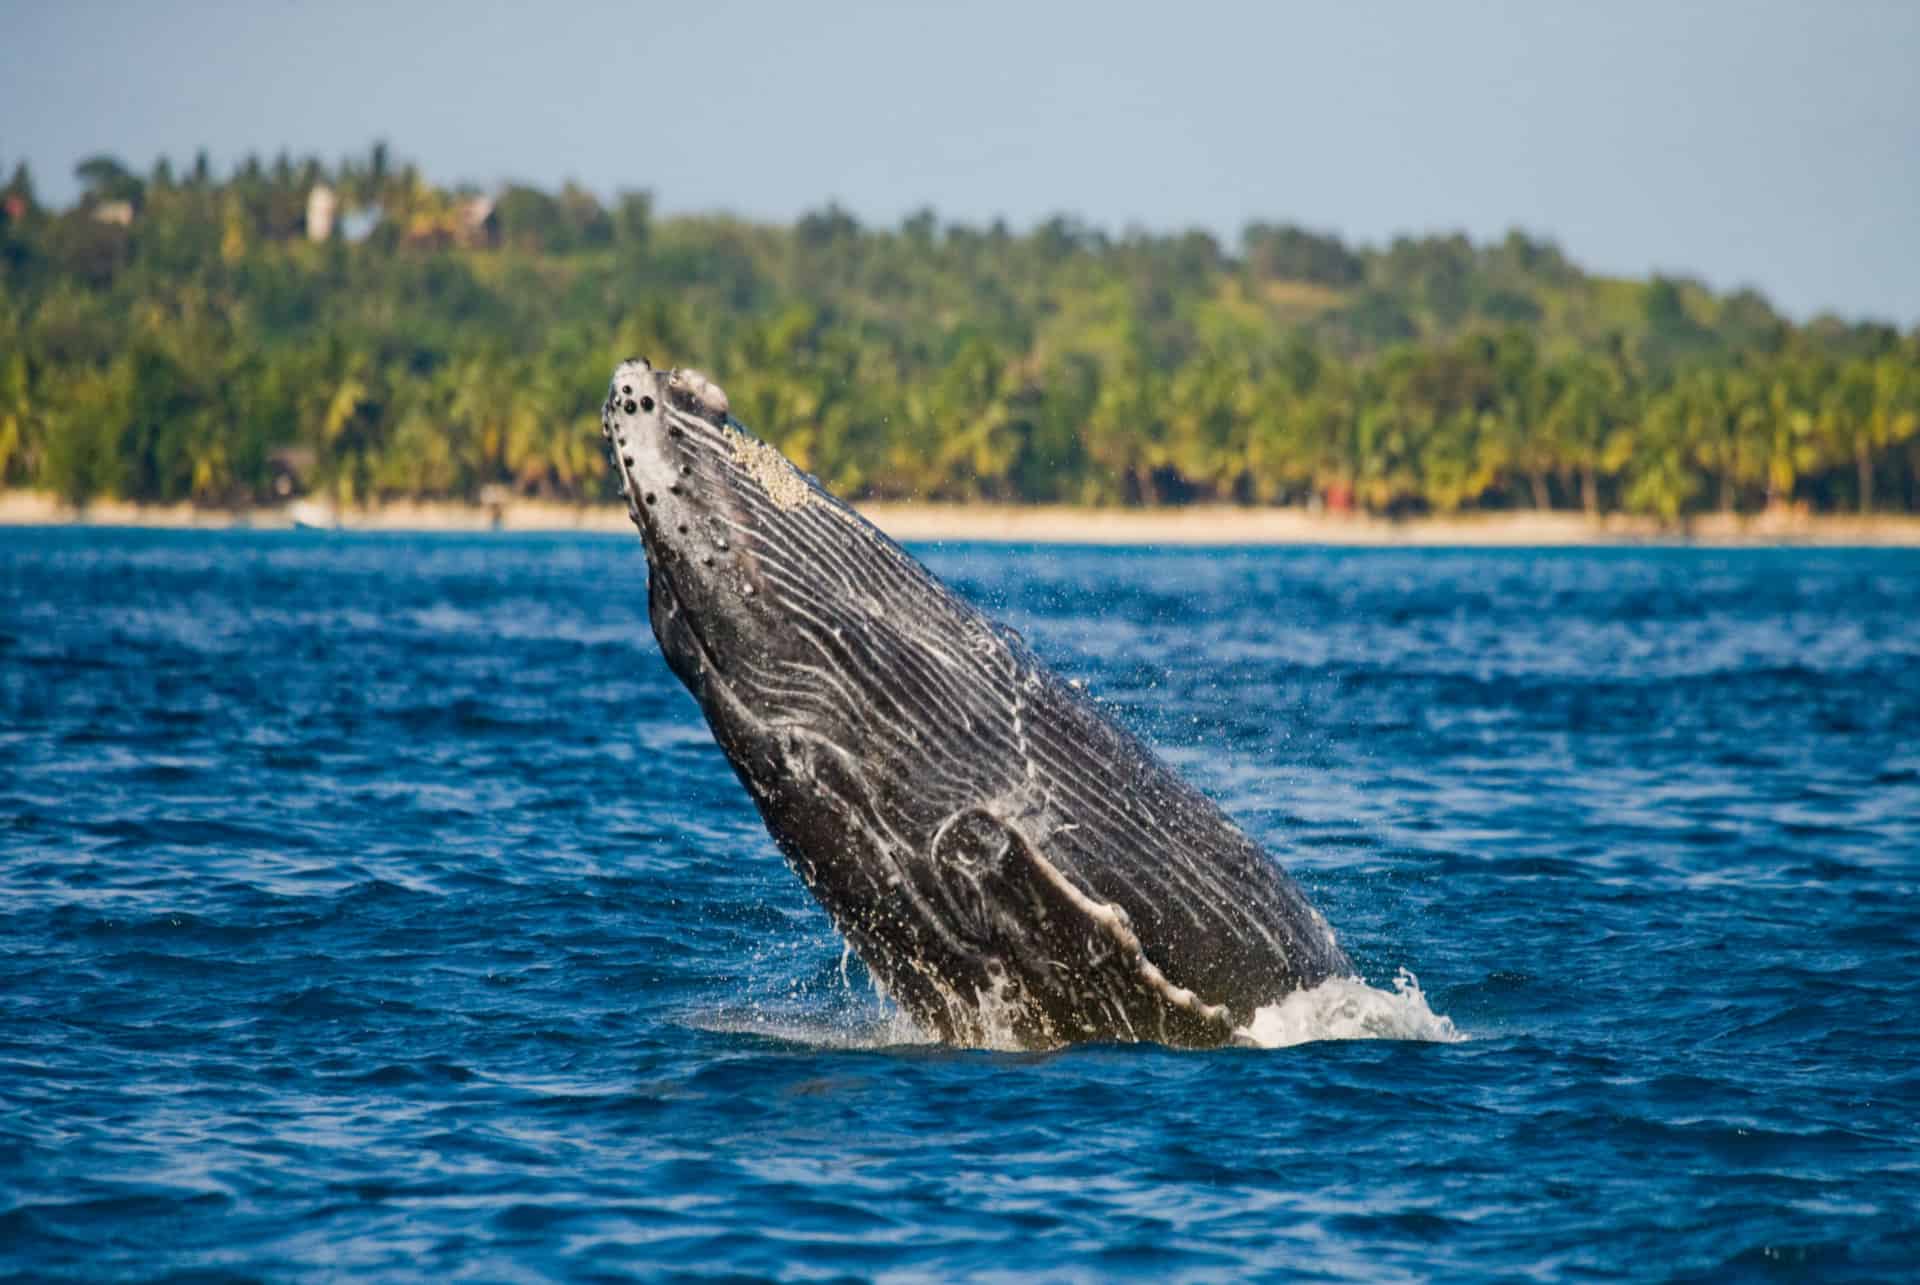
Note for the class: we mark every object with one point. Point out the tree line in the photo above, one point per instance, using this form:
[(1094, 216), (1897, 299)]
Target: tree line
[(177, 335)]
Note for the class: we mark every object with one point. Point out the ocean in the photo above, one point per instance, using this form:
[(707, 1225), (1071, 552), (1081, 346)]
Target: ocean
[(379, 906)]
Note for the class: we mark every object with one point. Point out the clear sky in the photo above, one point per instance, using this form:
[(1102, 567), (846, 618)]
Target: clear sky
[(1741, 141)]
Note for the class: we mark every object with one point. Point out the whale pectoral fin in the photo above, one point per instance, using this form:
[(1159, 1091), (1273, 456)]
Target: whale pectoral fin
[(982, 868), (1062, 963)]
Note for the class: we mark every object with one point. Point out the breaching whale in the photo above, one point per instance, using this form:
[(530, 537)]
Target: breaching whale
[(1012, 866)]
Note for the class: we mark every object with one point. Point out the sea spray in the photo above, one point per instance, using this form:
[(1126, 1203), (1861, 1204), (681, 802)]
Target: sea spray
[(1346, 1008), (1341, 1008)]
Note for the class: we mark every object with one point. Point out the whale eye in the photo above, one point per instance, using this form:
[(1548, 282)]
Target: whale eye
[(646, 403)]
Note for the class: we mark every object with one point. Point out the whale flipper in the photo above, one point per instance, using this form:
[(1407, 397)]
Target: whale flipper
[(1055, 963)]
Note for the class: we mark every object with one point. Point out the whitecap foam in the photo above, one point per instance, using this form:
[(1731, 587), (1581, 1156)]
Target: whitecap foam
[(1346, 1008)]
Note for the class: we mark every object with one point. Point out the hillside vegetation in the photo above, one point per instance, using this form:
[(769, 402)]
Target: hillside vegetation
[(181, 336)]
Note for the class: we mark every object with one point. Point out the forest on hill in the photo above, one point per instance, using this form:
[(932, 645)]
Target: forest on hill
[(358, 332)]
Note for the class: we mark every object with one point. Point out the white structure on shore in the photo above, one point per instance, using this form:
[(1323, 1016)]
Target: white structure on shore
[(321, 205)]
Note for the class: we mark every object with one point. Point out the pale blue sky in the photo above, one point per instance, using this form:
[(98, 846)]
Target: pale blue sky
[(1776, 144)]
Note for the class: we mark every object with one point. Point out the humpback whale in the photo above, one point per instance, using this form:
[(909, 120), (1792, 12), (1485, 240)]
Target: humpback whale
[(1013, 867)]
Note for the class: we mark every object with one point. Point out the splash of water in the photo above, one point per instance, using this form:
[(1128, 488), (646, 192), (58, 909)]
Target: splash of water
[(1341, 1008), (1346, 1008), (875, 1029)]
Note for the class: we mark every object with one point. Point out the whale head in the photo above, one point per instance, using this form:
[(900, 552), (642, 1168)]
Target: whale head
[(734, 533), (782, 610), (680, 461)]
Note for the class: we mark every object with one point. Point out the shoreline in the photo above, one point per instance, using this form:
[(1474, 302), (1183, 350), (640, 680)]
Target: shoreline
[(1198, 525)]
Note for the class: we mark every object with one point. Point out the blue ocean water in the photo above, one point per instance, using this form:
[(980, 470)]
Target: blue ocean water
[(379, 906)]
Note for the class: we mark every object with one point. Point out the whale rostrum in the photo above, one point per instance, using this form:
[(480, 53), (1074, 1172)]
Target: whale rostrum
[(1013, 867)]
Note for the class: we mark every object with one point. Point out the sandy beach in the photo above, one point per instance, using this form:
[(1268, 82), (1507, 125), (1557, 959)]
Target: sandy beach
[(1035, 524)]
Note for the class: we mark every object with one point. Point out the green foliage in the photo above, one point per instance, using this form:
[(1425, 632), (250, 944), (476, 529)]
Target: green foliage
[(207, 351)]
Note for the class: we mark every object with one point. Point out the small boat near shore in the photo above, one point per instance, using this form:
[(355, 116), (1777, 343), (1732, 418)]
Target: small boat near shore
[(313, 515)]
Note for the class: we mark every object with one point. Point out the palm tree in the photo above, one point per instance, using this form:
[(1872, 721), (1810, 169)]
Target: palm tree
[(1873, 406), (18, 415), (1656, 457), (1788, 424), (1589, 404)]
